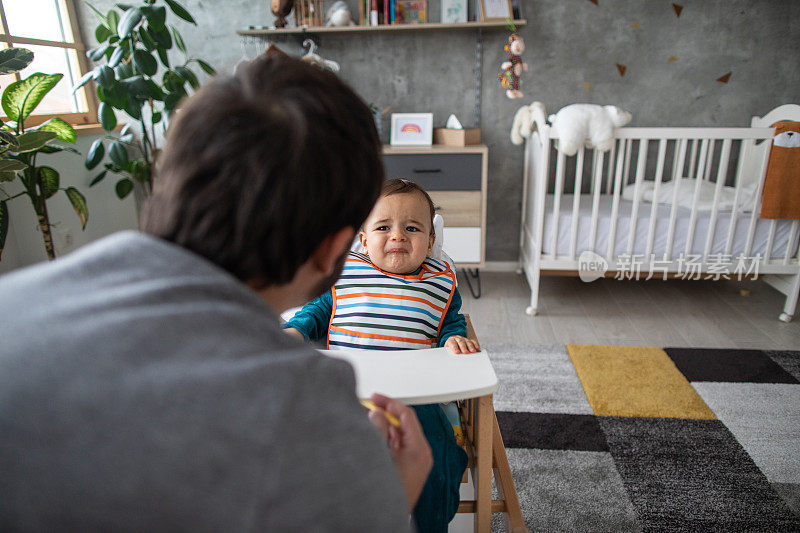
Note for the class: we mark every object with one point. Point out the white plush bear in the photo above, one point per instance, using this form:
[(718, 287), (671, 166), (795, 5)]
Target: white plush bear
[(524, 119), (587, 124)]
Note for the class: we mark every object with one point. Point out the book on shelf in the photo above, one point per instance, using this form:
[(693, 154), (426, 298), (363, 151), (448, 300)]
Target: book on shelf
[(410, 11)]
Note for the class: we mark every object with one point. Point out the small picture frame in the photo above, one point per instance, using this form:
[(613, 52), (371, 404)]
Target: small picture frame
[(495, 10), (412, 129), (454, 11)]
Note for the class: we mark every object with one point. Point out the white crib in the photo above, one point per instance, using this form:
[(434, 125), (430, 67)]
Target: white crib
[(596, 213)]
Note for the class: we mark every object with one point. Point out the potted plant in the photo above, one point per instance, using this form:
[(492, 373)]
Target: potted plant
[(21, 147), (131, 45)]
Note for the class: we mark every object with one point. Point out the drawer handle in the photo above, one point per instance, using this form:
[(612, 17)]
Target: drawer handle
[(427, 170)]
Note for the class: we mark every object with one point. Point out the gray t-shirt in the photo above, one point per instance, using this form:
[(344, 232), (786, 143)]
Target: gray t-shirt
[(142, 388)]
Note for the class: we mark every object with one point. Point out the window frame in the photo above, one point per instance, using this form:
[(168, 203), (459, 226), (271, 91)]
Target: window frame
[(83, 122)]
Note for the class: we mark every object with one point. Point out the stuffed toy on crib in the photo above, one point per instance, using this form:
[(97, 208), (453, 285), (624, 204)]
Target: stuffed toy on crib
[(512, 69)]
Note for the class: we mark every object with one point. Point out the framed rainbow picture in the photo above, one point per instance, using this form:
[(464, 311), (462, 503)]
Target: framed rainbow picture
[(412, 129)]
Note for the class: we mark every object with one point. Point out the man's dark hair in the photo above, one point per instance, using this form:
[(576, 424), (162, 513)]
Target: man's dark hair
[(260, 167), (401, 186)]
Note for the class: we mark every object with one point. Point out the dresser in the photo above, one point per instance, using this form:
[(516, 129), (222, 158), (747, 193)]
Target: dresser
[(455, 178)]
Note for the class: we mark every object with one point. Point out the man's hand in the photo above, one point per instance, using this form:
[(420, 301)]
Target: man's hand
[(459, 344), (410, 450), (294, 333)]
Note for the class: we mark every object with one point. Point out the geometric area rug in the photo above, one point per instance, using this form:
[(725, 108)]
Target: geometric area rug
[(629, 438)]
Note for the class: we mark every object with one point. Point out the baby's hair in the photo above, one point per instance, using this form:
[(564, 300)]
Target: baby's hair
[(402, 186)]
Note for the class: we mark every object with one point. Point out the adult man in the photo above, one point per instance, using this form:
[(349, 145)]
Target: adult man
[(145, 383)]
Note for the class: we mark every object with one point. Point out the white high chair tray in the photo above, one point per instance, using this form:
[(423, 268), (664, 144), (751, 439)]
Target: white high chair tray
[(418, 377)]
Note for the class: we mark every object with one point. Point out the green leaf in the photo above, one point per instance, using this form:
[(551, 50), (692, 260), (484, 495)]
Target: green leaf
[(21, 97), (147, 39), (156, 118), (124, 7), (136, 87), (100, 16), (12, 165), (97, 179), (123, 71), (33, 140), (134, 108), (95, 154), (172, 81), (188, 75), (102, 33), (145, 62), (83, 81), (104, 75), (180, 11), (162, 37), (126, 128), (9, 138), (64, 131), (154, 91), (8, 175), (113, 19), (118, 154), (124, 188), (49, 181), (116, 95), (156, 16), (96, 54), (126, 138), (3, 225), (79, 204), (129, 20), (105, 113), (162, 54), (171, 101), (116, 57), (14, 59), (56, 147), (178, 40), (208, 69)]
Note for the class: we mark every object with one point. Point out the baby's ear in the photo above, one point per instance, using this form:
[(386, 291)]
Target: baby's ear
[(362, 238), (431, 241)]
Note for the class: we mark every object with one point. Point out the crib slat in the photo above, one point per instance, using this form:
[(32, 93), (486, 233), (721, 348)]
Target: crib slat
[(709, 157), (770, 239), (576, 202), (651, 231), (598, 177), (792, 236), (751, 231), (696, 197), (612, 233), (557, 200), (744, 154), (692, 159), (628, 153), (611, 160), (677, 171), (643, 145), (722, 171)]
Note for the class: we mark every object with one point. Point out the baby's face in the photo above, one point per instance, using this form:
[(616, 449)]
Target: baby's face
[(397, 233)]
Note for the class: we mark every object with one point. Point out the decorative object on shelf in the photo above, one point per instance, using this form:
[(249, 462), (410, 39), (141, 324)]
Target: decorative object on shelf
[(591, 125), (454, 11), (308, 13), (412, 129), (339, 15), (315, 59), (281, 10), (131, 80), (524, 119), (495, 10), (410, 11), (512, 69), (454, 134), (21, 146)]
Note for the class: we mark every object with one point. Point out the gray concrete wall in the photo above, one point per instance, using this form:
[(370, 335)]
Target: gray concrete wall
[(569, 42)]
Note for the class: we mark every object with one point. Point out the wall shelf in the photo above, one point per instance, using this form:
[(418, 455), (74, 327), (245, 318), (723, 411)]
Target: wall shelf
[(428, 26)]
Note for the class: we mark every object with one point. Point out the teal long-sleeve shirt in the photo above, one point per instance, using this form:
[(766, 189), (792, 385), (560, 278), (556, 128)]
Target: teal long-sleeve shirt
[(312, 320)]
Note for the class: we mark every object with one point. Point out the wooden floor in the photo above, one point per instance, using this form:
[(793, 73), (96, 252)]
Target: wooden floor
[(643, 313)]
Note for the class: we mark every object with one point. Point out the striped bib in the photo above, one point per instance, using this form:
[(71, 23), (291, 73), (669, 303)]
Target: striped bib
[(377, 310)]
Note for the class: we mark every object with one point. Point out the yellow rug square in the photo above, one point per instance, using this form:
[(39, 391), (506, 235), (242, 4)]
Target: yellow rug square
[(635, 381)]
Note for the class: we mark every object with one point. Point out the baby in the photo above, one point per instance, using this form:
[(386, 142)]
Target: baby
[(393, 297)]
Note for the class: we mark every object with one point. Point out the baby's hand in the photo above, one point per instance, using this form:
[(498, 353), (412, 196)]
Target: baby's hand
[(459, 344), (294, 333)]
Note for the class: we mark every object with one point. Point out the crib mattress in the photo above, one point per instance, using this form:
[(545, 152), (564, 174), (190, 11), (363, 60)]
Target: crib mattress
[(600, 246)]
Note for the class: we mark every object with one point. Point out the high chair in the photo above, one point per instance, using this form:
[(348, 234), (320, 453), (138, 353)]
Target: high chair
[(436, 376)]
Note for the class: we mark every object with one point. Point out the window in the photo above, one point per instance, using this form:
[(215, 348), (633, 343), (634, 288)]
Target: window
[(48, 28)]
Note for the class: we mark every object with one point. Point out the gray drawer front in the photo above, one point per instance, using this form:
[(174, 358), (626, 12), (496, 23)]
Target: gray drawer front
[(436, 172)]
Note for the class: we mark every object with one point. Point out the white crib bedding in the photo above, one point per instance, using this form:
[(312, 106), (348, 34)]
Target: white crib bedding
[(563, 248)]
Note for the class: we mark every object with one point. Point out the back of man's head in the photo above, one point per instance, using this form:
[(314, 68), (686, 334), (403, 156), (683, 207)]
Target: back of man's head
[(260, 167)]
